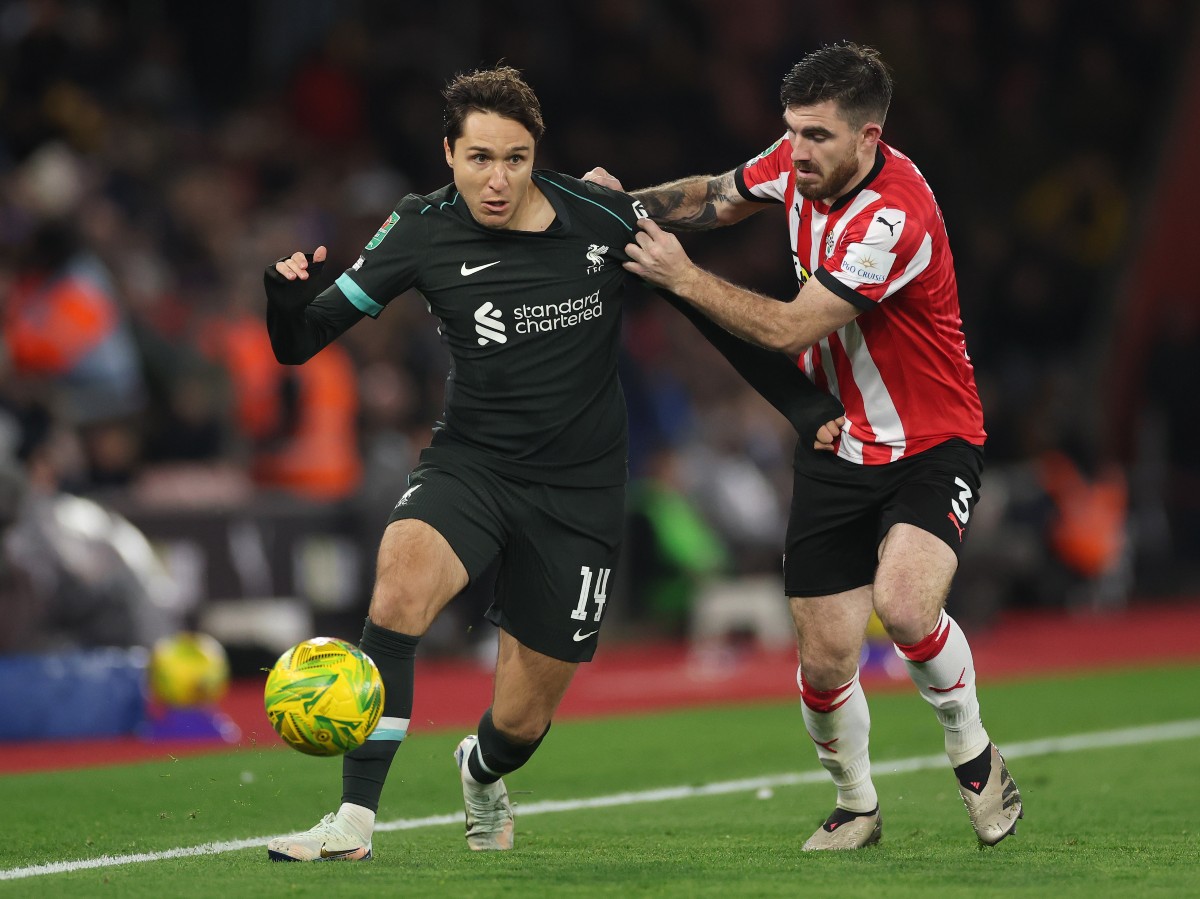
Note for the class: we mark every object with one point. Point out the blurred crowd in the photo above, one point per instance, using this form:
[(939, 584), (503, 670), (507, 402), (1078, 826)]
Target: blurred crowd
[(155, 157)]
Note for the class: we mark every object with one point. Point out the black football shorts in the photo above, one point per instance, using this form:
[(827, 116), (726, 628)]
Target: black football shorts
[(841, 511), (557, 546)]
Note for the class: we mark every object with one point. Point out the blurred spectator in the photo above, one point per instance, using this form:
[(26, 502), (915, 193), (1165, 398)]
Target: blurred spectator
[(671, 551), (73, 573), (1088, 531), (64, 326), (299, 422)]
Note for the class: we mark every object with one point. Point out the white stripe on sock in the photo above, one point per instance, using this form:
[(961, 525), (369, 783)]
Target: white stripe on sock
[(390, 729)]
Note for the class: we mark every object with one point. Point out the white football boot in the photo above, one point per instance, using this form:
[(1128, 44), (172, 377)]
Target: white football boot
[(489, 813), (336, 838)]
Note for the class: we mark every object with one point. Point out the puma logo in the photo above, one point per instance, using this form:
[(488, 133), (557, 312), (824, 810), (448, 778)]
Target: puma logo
[(891, 225), (958, 526), (958, 686)]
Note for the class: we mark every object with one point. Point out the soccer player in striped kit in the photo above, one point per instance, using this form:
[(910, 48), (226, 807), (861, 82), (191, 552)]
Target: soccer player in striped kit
[(879, 525)]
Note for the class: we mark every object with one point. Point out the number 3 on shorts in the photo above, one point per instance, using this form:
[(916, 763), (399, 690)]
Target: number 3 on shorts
[(961, 505)]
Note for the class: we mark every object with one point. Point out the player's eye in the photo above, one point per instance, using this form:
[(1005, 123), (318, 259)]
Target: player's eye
[(516, 159)]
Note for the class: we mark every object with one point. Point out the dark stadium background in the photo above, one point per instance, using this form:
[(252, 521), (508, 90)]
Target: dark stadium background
[(164, 153)]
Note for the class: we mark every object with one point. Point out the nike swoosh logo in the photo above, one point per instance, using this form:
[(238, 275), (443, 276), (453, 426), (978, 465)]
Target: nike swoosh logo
[(334, 856), (578, 636), (465, 270)]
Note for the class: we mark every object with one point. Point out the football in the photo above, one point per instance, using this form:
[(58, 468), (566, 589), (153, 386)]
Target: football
[(188, 669), (324, 696)]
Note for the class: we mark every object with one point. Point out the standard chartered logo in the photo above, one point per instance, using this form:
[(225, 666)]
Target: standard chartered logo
[(488, 325), (555, 316), (537, 318)]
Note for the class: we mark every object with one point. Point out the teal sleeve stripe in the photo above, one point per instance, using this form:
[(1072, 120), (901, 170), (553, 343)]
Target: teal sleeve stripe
[(380, 733), (355, 295), (628, 227)]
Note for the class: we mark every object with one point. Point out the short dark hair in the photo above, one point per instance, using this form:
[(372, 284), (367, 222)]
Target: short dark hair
[(500, 90), (853, 76)]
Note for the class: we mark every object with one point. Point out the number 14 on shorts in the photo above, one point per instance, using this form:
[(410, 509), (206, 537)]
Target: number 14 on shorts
[(599, 595)]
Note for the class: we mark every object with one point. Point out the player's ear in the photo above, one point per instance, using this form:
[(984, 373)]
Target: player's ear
[(870, 133), (449, 152)]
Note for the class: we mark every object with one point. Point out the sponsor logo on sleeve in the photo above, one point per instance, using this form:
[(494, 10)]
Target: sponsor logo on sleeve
[(866, 264)]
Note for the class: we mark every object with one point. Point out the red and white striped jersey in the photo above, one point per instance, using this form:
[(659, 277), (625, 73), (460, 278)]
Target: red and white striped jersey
[(901, 368)]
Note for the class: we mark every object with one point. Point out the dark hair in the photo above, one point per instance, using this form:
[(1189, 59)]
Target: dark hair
[(500, 90), (855, 77)]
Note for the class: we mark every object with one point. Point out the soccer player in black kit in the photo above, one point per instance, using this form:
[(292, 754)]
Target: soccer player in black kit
[(523, 269)]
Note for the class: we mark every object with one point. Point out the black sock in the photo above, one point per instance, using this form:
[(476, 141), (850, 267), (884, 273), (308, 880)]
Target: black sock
[(366, 768), (500, 755), (974, 774)]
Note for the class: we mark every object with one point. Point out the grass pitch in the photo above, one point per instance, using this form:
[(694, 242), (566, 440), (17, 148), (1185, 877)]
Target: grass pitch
[(1101, 820)]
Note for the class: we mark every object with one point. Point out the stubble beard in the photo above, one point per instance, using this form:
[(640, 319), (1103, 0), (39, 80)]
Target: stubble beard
[(832, 185)]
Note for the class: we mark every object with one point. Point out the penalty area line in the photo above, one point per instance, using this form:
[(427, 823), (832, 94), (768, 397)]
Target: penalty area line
[(1131, 736)]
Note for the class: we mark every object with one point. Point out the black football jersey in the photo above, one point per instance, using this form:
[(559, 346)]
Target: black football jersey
[(532, 321)]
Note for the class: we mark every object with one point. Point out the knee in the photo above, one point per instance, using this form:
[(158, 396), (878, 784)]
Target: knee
[(825, 671), (907, 623), (401, 606)]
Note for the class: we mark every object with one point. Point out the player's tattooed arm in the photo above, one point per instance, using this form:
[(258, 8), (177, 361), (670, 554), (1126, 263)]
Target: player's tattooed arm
[(696, 204)]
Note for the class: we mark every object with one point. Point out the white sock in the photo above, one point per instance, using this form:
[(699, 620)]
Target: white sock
[(360, 818), (943, 669), (839, 723)]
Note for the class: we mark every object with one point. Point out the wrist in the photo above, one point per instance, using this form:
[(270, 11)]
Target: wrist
[(688, 283)]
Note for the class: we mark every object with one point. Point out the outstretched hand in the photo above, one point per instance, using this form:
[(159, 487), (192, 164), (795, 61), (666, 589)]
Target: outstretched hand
[(601, 176), (658, 257), (297, 265)]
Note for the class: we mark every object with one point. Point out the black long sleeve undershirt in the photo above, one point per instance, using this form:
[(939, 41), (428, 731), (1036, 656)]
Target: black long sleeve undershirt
[(299, 329), (776, 377)]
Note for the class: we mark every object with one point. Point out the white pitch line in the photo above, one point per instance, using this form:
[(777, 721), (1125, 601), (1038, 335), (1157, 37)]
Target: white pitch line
[(1132, 736)]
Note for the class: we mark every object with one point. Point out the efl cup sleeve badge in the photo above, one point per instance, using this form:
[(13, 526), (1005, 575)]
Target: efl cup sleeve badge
[(765, 153), (383, 230)]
